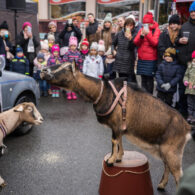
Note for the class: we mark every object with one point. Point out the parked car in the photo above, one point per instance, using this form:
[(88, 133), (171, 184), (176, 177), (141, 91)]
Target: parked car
[(15, 89)]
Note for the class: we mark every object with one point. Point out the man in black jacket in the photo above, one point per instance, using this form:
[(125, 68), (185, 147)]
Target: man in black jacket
[(92, 28), (186, 45)]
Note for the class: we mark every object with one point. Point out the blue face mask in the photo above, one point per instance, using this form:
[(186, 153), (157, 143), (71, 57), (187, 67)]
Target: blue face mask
[(6, 36)]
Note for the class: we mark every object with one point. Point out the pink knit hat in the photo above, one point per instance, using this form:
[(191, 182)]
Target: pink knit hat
[(73, 41), (26, 24), (55, 48), (193, 54)]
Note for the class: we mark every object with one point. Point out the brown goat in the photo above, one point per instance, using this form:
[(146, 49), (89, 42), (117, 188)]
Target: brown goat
[(11, 119), (151, 124)]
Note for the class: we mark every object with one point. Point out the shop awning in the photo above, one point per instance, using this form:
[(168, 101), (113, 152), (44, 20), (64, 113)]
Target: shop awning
[(58, 2), (184, 1)]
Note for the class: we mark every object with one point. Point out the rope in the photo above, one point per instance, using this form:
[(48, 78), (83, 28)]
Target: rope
[(123, 171)]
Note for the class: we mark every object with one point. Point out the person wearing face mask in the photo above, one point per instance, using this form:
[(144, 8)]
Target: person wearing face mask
[(168, 36), (5, 44), (29, 43)]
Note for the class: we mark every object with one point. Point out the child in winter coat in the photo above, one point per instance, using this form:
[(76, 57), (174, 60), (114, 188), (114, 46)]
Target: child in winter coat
[(93, 64), (109, 63), (189, 82), (84, 49), (73, 55), (20, 63), (167, 76), (53, 60), (40, 64), (51, 41)]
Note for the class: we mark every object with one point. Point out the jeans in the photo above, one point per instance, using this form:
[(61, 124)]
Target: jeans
[(43, 85)]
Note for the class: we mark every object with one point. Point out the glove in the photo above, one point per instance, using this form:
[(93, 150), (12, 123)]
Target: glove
[(100, 76), (166, 86), (186, 83)]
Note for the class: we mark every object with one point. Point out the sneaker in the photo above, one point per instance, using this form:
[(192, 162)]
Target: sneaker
[(74, 97), (57, 93), (68, 96)]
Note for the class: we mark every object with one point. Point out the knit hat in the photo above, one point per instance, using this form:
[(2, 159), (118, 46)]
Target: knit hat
[(51, 37), (101, 46), (4, 25), (94, 45), (192, 7), (148, 18), (55, 48), (108, 18), (45, 45), (73, 41), (171, 52), (19, 49), (174, 19), (85, 42), (40, 56), (52, 23), (131, 16), (193, 54), (26, 24)]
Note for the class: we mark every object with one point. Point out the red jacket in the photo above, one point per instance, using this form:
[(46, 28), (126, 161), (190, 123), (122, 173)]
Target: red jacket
[(147, 47)]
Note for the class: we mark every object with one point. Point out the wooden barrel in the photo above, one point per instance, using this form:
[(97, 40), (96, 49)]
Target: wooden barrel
[(129, 177)]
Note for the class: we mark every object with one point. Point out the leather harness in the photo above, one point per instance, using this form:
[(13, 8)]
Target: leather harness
[(119, 98), (3, 128)]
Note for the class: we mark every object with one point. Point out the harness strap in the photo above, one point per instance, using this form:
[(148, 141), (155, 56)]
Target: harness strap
[(100, 94), (3, 128), (121, 100)]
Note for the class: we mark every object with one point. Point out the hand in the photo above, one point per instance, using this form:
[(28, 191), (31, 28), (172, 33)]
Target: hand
[(183, 40), (6, 48), (29, 34), (166, 86), (144, 32), (186, 83), (190, 85), (99, 29), (128, 36), (114, 53)]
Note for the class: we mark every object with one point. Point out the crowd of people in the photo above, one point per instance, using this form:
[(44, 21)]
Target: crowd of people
[(108, 52)]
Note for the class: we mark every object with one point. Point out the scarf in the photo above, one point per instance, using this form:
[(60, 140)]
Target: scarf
[(173, 34), (84, 51)]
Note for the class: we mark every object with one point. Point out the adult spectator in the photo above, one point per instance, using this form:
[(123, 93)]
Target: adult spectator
[(120, 23), (91, 28), (53, 30), (168, 36), (29, 43), (147, 41), (106, 33), (69, 30), (124, 46), (5, 44), (186, 45), (138, 25)]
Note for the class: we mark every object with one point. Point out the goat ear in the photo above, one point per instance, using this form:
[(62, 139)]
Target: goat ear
[(18, 108)]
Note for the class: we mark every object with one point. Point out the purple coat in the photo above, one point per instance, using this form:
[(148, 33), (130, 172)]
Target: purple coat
[(54, 60)]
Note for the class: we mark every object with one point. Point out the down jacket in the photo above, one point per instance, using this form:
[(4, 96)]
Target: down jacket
[(147, 46), (168, 72), (125, 55)]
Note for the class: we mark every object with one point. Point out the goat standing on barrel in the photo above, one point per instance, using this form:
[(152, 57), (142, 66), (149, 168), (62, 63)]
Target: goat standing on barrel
[(150, 123), (11, 119)]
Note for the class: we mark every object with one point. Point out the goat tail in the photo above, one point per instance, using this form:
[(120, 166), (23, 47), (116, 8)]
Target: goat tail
[(188, 137)]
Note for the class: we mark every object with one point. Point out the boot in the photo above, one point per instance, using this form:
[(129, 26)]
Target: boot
[(74, 96), (68, 96), (53, 94), (57, 93)]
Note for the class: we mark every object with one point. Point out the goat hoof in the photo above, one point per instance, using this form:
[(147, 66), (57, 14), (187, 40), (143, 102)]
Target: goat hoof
[(161, 187), (118, 160), (3, 185), (109, 164)]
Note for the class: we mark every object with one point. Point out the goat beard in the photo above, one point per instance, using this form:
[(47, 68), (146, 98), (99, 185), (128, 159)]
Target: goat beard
[(173, 34)]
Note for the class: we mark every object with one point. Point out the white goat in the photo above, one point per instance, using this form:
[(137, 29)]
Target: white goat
[(11, 119)]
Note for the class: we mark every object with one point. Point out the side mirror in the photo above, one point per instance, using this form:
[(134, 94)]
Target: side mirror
[(2, 64)]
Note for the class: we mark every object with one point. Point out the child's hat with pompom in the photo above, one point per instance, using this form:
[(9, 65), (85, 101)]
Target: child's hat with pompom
[(45, 45), (101, 46), (85, 42)]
